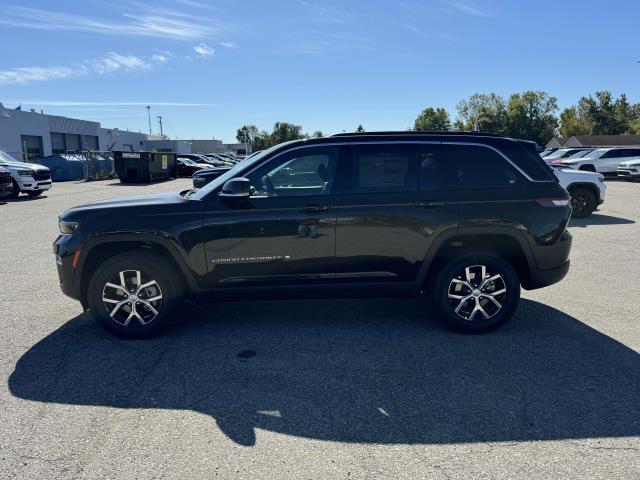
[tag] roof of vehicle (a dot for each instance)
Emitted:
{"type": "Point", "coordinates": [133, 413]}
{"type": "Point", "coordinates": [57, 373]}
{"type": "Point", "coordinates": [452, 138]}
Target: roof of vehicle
{"type": "Point", "coordinates": [521, 152]}
{"type": "Point", "coordinates": [414, 133]}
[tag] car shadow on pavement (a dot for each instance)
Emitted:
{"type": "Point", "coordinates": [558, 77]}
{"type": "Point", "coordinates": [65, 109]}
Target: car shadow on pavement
{"type": "Point", "coordinates": [599, 219]}
{"type": "Point", "coordinates": [351, 371]}
{"type": "Point", "coordinates": [23, 198]}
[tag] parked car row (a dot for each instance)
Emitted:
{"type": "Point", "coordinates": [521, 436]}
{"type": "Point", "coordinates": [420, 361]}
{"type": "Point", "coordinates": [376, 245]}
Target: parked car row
{"type": "Point", "coordinates": [29, 178]}
{"type": "Point", "coordinates": [621, 161]}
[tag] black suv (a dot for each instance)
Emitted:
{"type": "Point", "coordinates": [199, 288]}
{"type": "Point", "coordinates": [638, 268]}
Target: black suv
{"type": "Point", "coordinates": [467, 218]}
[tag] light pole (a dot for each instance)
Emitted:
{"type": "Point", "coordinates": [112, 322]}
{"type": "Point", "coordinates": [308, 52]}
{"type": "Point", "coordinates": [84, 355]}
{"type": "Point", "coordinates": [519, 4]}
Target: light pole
{"type": "Point", "coordinates": [159, 117]}
{"type": "Point", "coordinates": [149, 117]}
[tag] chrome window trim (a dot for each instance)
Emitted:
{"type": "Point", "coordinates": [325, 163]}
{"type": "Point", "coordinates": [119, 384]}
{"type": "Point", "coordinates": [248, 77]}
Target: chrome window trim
{"type": "Point", "coordinates": [392, 142]}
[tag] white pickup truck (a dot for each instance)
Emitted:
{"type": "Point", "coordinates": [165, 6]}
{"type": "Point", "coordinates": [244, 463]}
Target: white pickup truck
{"type": "Point", "coordinates": [29, 178]}
{"type": "Point", "coordinates": [587, 189]}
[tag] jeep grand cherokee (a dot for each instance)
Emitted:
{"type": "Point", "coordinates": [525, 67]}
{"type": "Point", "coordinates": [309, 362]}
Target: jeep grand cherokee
{"type": "Point", "coordinates": [464, 218]}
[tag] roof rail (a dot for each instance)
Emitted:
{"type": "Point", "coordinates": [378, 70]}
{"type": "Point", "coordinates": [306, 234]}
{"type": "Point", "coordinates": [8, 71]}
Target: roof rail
{"type": "Point", "coordinates": [411, 132]}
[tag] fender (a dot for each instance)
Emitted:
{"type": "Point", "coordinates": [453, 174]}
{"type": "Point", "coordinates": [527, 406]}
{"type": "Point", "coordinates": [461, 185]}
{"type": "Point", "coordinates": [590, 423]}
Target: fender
{"type": "Point", "coordinates": [184, 261]}
{"type": "Point", "coordinates": [451, 235]}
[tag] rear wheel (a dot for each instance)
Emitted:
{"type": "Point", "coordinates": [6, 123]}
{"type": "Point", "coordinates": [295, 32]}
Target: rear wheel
{"type": "Point", "coordinates": [583, 202]}
{"type": "Point", "coordinates": [476, 293]}
{"type": "Point", "coordinates": [134, 295]}
{"type": "Point", "coordinates": [588, 168]}
{"type": "Point", "coordinates": [34, 193]}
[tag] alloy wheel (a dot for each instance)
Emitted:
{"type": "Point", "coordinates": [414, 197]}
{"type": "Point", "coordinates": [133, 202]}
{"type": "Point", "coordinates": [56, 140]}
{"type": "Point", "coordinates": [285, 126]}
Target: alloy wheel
{"type": "Point", "coordinates": [579, 203]}
{"type": "Point", "coordinates": [130, 297]}
{"type": "Point", "coordinates": [477, 293]}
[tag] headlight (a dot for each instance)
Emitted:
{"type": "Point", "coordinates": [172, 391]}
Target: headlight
{"type": "Point", "coordinates": [601, 178]}
{"type": "Point", "coordinates": [67, 228]}
{"type": "Point", "coordinates": [25, 173]}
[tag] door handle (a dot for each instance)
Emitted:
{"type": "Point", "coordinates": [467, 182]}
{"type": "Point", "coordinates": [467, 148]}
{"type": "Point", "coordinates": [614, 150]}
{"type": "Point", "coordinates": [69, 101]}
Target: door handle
{"type": "Point", "coordinates": [313, 208]}
{"type": "Point", "coordinates": [430, 204]}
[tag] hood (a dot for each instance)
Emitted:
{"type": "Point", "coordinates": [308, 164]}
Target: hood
{"type": "Point", "coordinates": [132, 201]}
{"type": "Point", "coordinates": [569, 172]}
{"type": "Point", "coordinates": [211, 171]}
{"type": "Point", "coordinates": [35, 167]}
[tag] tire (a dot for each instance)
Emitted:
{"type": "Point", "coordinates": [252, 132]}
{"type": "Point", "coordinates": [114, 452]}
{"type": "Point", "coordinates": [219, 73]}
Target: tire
{"type": "Point", "coordinates": [16, 190]}
{"type": "Point", "coordinates": [588, 168]}
{"type": "Point", "coordinates": [457, 304]}
{"type": "Point", "coordinates": [104, 293]}
{"type": "Point", "coordinates": [583, 202]}
{"type": "Point", "coordinates": [34, 193]}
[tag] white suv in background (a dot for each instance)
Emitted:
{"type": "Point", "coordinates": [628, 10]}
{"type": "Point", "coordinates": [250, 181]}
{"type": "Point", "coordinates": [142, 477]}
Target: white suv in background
{"type": "Point", "coordinates": [602, 160]}
{"type": "Point", "coordinates": [29, 178]}
{"type": "Point", "coordinates": [587, 189]}
{"type": "Point", "coordinates": [629, 170]}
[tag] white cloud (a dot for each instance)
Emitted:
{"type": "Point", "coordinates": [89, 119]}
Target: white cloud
{"type": "Point", "coordinates": [229, 44]}
{"type": "Point", "coordinates": [204, 50]}
{"type": "Point", "coordinates": [468, 9]}
{"type": "Point", "coordinates": [114, 62]}
{"type": "Point", "coordinates": [158, 57]}
{"type": "Point", "coordinates": [152, 23]}
{"type": "Point", "coordinates": [47, 103]}
{"type": "Point", "coordinates": [36, 74]}
{"type": "Point", "coordinates": [110, 63]}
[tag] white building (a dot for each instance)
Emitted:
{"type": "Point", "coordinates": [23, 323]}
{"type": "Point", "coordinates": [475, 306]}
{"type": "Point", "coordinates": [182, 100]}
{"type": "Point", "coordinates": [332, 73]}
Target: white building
{"type": "Point", "coordinates": [32, 135]}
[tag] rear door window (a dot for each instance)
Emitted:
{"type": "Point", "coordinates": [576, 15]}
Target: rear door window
{"type": "Point", "coordinates": [380, 168]}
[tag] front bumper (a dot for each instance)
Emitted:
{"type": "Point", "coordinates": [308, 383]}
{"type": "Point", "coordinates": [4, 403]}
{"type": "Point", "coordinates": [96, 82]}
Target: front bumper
{"type": "Point", "coordinates": [64, 249]}
{"type": "Point", "coordinates": [628, 172]}
{"type": "Point", "coordinates": [28, 184]}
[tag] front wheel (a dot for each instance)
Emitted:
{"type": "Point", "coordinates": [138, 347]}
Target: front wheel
{"type": "Point", "coordinates": [16, 189]}
{"type": "Point", "coordinates": [583, 202]}
{"type": "Point", "coordinates": [34, 193]}
{"type": "Point", "coordinates": [476, 293]}
{"type": "Point", "coordinates": [134, 295]}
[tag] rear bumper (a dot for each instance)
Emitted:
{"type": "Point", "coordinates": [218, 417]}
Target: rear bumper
{"type": "Point", "coordinates": [544, 278]}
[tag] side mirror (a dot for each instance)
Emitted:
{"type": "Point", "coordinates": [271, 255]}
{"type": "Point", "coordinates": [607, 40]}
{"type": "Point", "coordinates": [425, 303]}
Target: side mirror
{"type": "Point", "coordinates": [236, 188]}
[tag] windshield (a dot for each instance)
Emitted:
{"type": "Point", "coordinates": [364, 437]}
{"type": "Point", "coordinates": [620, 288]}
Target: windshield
{"type": "Point", "coordinates": [558, 154]}
{"type": "Point", "coordinates": [5, 157]}
{"type": "Point", "coordinates": [581, 154]}
{"type": "Point", "coordinates": [186, 161]}
{"type": "Point", "coordinates": [233, 172]}
{"type": "Point", "coordinates": [595, 153]}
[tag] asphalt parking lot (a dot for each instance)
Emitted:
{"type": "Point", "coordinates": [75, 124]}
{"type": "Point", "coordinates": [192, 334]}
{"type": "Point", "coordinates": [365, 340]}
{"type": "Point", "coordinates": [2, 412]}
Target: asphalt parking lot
{"type": "Point", "coordinates": [322, 389]}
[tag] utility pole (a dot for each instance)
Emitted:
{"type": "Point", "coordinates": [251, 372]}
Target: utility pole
{"type": "Point", "coordinates": [149, 116]}
{"type": "Point", "coordinates": [159, 117]}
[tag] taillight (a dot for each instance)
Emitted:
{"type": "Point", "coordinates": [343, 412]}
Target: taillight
{"type": "Point", "coordinates": [553, 202]}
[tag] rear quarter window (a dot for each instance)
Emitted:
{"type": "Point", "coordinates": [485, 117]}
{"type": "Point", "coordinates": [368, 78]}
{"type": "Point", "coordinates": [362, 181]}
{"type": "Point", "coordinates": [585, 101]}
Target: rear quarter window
{"type": "Point", "coordinates": [478, 167]}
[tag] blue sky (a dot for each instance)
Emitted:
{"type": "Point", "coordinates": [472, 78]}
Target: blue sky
{"type": "Point", "coordinates": [209, 67]}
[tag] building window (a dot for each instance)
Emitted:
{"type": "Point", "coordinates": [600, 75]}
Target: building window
{"type": "Point", "coordinates": [90, 142]}
{"type": "Point", "coordinates": [58, 144]}
{"type": "Point", "coordinates": [31, 146]}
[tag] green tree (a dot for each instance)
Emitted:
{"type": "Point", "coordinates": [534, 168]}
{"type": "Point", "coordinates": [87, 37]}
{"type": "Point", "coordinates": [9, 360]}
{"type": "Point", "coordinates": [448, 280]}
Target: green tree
{"type": "Point", "coordinates": [247, 134]}
{"type": "Point", "coordinates": [433, 120]}
{"type": "Point", "coordinates": [317, 134]}
{"type": "Point", "coordinates": [360, 129]}
{"type": "Point", "coordinates": [284, 132]}
{"type": "Point", "coordinates": [573, 121]}
{"type": "Point", "coordinates": [531, 116]}
{"type": "Point", "coordinates": [482, 112]}
{"type": "Point", "coordinates": [601, 114]}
